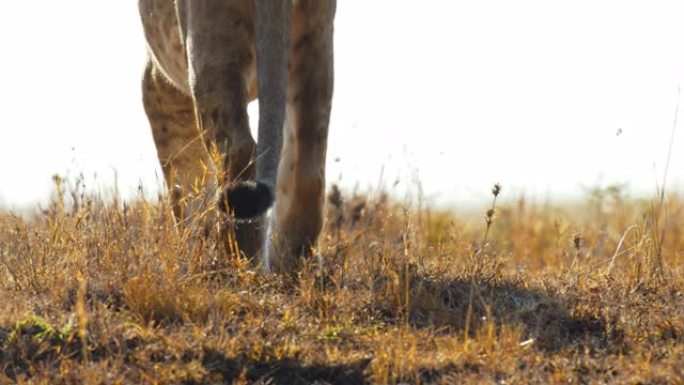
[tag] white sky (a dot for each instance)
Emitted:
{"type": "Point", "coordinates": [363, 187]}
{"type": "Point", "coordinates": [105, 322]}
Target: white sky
{"type": "Point", "coordinates": [456, 94]}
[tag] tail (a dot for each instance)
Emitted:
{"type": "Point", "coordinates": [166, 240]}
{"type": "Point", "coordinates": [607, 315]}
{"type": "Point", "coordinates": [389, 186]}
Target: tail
{"type": "Point", "coordinates": [273, 19]}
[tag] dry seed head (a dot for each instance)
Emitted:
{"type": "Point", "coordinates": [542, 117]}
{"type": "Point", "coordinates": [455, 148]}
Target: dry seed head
{"type": "Point", "coordinates": [489, 216]}
{"type": "Point", "coordinates": [496, 189]}
{"type": "Point", "coordinates": [335, 196]}
{"type": "Point", "coordinates": [577, 240]}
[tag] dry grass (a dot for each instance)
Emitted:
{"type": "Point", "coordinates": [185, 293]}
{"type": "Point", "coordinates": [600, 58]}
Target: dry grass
{"type": "Point", "coordinates": [96, 293]}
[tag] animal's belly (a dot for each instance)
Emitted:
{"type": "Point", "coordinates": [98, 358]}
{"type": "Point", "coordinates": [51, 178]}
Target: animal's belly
{"type": "Point", "coordinates": [164, 42]}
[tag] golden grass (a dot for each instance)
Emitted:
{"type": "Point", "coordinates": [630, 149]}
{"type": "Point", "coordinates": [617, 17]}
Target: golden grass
{"type": "Point", "coordinates": [101, 293]}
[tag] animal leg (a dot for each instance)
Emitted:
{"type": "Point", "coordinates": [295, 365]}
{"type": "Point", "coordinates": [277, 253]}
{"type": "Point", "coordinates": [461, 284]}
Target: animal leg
{"type": "Point", "coordinates": [217, 36]}
{"type": "Point", "coordinates": [298, 213]}
{"type": "Point", "coordinates": [180, 147]}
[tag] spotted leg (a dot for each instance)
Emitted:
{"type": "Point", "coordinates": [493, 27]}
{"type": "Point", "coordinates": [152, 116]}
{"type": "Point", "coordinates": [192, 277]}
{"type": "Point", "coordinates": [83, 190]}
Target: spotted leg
{"type": "Point", "coordinates": [298, 213]}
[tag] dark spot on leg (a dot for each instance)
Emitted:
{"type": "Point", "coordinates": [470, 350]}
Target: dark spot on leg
{"type": "Point", "coordinates": [303, 42]}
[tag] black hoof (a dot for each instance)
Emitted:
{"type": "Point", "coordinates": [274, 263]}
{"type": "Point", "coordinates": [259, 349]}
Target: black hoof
{"type": "Point", "coordinates": [246, 200]}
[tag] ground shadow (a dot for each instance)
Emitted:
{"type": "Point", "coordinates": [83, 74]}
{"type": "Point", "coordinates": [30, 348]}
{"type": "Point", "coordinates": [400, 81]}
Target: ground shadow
{"type": "Point", "coordinates": [285, 371]}
{"type": "Point", "coordinates": [293, 372]}
{"type": "Point", "coordinates": [547, 319]}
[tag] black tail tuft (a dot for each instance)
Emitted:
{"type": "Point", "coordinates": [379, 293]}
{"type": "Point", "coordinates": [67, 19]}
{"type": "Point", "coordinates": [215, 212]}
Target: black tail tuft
{"type": "Point", "coordinates": [246, 199]}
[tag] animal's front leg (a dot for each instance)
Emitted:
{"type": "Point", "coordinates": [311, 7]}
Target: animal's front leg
{"type": "Point", "coordinates": [217, 36]}
{"type": "Point", "coordinates": [298, 214]}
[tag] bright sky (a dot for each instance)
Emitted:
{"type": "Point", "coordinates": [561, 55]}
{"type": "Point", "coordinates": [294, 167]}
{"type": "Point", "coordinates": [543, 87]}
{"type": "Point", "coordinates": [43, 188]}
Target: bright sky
{"type": "Point", "coordinates": [543, 96]}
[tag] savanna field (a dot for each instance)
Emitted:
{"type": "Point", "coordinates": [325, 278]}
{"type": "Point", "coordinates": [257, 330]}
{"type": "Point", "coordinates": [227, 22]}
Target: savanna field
{"type": "Point", "coordinates": [95, 291]}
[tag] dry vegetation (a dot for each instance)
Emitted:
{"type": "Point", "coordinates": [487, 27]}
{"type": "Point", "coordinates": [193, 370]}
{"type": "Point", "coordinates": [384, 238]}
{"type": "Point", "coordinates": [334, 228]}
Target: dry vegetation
{"type": "Point", "coordinates": [94, 292]}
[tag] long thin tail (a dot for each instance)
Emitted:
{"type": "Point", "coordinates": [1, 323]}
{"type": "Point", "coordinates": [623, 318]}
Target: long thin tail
{"type": "Point", "coordinates": [272, 40]}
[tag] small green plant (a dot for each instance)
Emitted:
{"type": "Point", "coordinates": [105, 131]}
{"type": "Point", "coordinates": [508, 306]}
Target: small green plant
{"type": "Point", "coordinates": [40, 330]}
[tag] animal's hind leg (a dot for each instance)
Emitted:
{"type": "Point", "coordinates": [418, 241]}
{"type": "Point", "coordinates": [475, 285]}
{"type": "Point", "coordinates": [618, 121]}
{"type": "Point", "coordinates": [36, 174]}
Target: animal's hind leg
{"type": "Point", "coordinates": [180, 147]}
{"type": "Point", "coordinates": [298, 214]}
